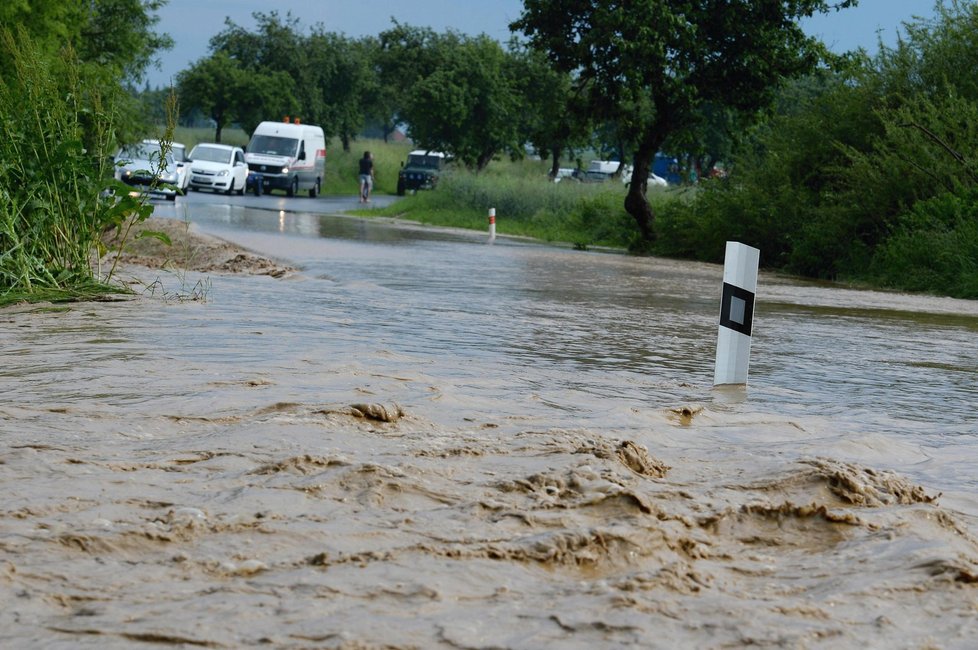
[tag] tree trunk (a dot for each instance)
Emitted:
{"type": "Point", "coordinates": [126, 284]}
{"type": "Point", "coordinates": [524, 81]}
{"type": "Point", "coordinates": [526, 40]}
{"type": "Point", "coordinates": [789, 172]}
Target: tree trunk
{"type": "Point", "coordinates": [217, 132]}
{"type": "Point", "coordinates": [555, 166]}
{"type": "Point", "coordinates": [636, 203]}
{"type": "Point", "coordinates": [345, 139]}
{"type": "Point", "coordinates": [483, 160]}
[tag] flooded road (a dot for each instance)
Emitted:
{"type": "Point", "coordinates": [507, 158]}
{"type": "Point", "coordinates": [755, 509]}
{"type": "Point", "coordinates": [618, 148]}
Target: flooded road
{"type": "Point", "coordinates": [556, 470]}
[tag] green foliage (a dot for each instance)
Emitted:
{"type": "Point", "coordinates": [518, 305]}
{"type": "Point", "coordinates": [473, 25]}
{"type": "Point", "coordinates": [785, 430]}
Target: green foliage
{"type": "Point", "coordinates": [225, 91]}
{"type": "Point", "coordinates": [868, 175]}
{"type": "Point", "coordinates": [57, 135]}
{"type": "Point", "coordinates": [344, 82]}
{"type": "Point", "coordinates": [115, 35]}
{"type": "Point", "coordinates": [933, 245]}
{"type": "Point", "coordinates": [648, 70]}
{"type": "Point", "coordinates": [467, 105]}
{"type": "Point", "coordinates": [192, 136]}
{"type": "Point", "coordinates": [550, 117]}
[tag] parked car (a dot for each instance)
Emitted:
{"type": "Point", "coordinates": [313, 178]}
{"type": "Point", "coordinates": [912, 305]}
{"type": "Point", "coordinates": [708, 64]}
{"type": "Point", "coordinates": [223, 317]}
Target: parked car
{"type": "Point", "coordinates": [142, 166]}
{"type": "Point", "coordinates": [179, 151]}
{"type": "Point", "coordinates": [421, 171]}
{"type": "Point", "coordinates": [654, 180]}
{"type": "Point", "coordinates": [218, 167]}
{"type": "Point", "coordinates": [562, 173]}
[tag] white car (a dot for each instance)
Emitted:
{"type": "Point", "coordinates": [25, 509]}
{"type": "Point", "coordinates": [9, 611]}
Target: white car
{"type": "Point", "coordinates": [653, 180]}
{"type": "Point", "coordinates": [218, 167]}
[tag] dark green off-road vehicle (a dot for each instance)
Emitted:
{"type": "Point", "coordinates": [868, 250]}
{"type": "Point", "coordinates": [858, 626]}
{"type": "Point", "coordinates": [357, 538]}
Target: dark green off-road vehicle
{"type": "Point", "coordinates": [421, 171]}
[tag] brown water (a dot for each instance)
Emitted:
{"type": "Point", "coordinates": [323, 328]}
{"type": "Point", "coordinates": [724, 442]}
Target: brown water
{"type": "Point", "coordinates": [186, 474]}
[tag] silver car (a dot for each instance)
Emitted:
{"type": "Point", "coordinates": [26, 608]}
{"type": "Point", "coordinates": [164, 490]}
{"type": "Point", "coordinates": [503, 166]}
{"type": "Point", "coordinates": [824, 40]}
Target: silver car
{"type": "Point", "coordinates": [143, 167]}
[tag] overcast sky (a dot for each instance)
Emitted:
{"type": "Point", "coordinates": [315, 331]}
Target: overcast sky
{"type": "Point", "coordinates": [191, 23]}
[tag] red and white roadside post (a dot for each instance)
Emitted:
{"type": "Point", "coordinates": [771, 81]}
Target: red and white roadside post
{"type": "Point", "coordinates": [492, 225]}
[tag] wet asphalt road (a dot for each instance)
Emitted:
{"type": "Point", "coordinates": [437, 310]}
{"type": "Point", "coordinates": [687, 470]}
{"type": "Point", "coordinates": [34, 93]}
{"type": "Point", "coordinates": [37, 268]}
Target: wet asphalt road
{"type": "Point", "coordinates": [302, 203]}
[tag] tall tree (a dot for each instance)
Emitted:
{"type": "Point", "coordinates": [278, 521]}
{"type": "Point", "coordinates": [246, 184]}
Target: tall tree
{"type": "Point", "coordinates": [549, 118]}
{"type": "Point", "coordinates": [467, 106]}
{"type": "Point", "coordinates": [275, 57]}
{"type": "Point", "coordinates": [648, 65]}
{"type": "Point", "coordinates": [212, 85]}
{"type": "Point", "coordinates": [403, 55]}
{"type": "Point", "coordinates": [343, 77]}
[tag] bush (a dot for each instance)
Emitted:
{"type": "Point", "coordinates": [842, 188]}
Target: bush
{"type": "Point", "coordinates": [933, 248]}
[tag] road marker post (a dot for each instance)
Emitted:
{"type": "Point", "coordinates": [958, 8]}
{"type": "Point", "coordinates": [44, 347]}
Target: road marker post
{"type": "Point", "coordinates": [736, 314]}
{"type": "Point", "coordinates": [492, 225]}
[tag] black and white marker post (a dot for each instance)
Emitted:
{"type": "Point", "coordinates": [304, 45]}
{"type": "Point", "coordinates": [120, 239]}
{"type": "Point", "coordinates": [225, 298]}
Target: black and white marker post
{"type": "Point", "coordinates": [736, 313]}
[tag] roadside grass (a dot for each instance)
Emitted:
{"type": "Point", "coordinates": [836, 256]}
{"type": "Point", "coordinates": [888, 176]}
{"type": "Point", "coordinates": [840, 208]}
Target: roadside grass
{"type": "Point", "coordinates": [343, 169]}
{"type": "Point", "coordinates": [527, 204]}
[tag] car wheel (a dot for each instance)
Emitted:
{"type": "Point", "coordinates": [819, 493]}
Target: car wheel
{"type": "Point", "coordinates": [241, 189]}
{"type": "Point", "coordinates": [314, 190]}
{"type": "Point", "coordinates": [230, 190]}
{"type": "Point", "coordinates": [294, 187]}
{"type": "Point", "coordinates": [400, 187]}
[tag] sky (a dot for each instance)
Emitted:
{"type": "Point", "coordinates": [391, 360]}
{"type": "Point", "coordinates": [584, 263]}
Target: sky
{"type": "Point", "coordinates": [191, 23]}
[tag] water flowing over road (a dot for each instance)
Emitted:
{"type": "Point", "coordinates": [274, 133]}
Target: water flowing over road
{"type": "Point", "coordinates": [550, 467]}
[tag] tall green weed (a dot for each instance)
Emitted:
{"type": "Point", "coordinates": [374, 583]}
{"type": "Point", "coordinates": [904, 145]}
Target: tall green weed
{"type": "Point", "coordinates": [58, 122]}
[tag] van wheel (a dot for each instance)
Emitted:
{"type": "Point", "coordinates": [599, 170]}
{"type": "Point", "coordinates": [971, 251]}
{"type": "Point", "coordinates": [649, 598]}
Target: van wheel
{"type": "Point", "coordinates": [314, 190]}
{"type": "Point", "coordinates": [230, 190]}
{"type": "Point", "coordinates": [294, 187]}
{"type": "Point", "coordinates": [400, 187]}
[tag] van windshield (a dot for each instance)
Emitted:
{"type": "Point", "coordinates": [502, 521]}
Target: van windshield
{"type": "Point", "coordinates": [273, 145]}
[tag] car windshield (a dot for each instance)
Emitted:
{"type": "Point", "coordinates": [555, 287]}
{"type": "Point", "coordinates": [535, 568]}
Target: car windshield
{"type": "Point", "coordinates": [431, 162]}
{"type": "Point", "coordinates": [211, 154]}
{"type": "Point", "coordinates": [148, 152]}
{"type": "Point", "coordinates": [273, 145]}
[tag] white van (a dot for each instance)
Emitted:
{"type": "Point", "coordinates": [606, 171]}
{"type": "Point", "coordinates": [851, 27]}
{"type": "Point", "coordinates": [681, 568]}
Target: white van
{"type": "Point", "coordinates": [287, 156]}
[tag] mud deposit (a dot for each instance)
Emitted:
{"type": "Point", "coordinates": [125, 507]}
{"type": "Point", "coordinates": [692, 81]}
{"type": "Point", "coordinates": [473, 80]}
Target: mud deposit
{"type": "Point", "coordinates": [264, 469]}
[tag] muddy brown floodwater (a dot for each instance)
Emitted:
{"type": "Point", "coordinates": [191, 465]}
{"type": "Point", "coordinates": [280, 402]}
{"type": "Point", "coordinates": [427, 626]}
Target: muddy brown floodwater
{"type": "Point", "coordinates": [371, 435]}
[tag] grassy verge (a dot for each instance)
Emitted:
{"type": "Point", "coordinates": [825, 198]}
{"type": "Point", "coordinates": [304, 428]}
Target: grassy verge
{"type": "Point", "coordinates": [527, 204]}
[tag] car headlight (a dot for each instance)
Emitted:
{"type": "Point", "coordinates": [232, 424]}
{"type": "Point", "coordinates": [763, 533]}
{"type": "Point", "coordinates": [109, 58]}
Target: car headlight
{"type": "Point", "coordinates": [285, 170]}
{"type": "Point", "coordinates": [223, 172]}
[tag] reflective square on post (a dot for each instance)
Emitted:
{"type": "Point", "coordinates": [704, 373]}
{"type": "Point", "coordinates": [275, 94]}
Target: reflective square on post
{"type": "Point", "coordinates": [737, 309]}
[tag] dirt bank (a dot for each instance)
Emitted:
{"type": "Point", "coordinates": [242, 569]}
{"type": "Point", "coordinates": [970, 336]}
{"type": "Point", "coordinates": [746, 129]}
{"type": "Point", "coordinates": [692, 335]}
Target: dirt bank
{"type": "Point", "coordinates": [188, 250]}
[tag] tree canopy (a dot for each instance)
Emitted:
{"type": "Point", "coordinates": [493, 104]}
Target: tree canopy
{"type": "Point", "coordinates": [649, 65]}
